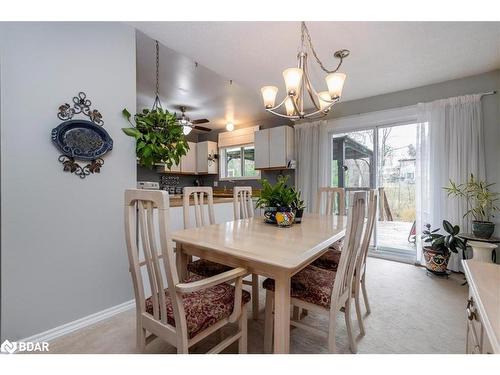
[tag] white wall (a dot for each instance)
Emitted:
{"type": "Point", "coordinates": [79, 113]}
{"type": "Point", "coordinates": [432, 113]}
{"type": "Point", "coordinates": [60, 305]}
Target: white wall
{"type": "Point", "coordinates": [63, 252]}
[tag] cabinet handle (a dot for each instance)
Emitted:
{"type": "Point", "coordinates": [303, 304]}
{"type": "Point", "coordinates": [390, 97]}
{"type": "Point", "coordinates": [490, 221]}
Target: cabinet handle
{"type": "Point", "coordinates": [471, 314]}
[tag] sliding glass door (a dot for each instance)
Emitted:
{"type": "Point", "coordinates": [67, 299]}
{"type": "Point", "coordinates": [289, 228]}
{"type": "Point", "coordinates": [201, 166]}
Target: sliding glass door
{"type": "Point", "coordinates": [381, 158]}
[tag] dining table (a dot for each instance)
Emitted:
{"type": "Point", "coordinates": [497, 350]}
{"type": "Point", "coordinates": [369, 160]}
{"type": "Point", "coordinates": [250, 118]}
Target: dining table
{"type": "Point", "coordinates": [263, 249]}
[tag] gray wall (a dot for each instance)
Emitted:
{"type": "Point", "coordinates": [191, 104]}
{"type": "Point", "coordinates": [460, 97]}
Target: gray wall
{"type": "Point", "coordinates": [63, 253]}
{"type": "Point", "coordinates": [469, 85]}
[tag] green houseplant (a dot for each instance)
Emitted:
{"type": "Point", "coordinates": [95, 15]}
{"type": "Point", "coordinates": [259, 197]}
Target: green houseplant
{"type": "Point", "coordinates": [298, 206]}
{"type": "Point", "coordinates": [438, 248]}
{"type": "Point", "coordinates": [159, 138]}
{"type": "Point", "coordinates": [277, 199]}
{"type": "Point", "coordinates": [481, 203]}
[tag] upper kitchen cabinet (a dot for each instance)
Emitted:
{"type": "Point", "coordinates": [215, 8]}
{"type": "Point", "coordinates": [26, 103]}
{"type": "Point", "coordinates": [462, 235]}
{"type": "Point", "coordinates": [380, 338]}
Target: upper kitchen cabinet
{"type": "Point", "coordinates": [274, 147]}
{"type": "Point", "coordinates": [205, 157]}
{"type": "Point", "coordinates": [188, 161]}
{"type": "Point", "coordinates": [187, 164]}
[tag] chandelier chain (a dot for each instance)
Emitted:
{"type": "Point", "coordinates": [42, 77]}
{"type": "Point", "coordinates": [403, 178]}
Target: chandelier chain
{"type": "Point", "coordinates": [305, 33]}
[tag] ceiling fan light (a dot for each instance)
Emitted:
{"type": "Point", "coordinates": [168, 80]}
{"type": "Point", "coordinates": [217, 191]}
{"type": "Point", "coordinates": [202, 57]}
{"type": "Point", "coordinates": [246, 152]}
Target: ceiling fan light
{"type": "Point", "coordinates": [293, 80]}
{"type": "Point", "coordinates": [229, 126]}
{"type": "Point", "coordinates": [186, 129]}
{"type": "Point", "coordinates": [335, 83]}
{"type": "Point", "coordinates": [269, 95]}
{"type": "Point", "coordinates": [290, 108]}
{"type": "Point", "coordinates": [324, 100]}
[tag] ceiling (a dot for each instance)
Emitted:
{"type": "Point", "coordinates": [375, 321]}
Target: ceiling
{"type": "Point", "coordinates": [204, 93]}
{"type": "Point", "coordinates": [385, 57]}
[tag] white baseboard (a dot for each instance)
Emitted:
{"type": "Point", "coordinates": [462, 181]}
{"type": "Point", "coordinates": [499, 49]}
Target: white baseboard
{"type": "Point", "coordinates": [75, 325]}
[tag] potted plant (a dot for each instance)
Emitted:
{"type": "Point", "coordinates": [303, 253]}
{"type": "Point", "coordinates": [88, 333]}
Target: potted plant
{"type": "Point", "coordinates": [159, 137]}
{"type": "Point", "coordinates": [277, 202]}
{"type": "Point", "coordinates": [437, 253]}
{"type": "Point", "coordinates": [298, 206]}
{"type": "Point", "coordinates": [481, 203]}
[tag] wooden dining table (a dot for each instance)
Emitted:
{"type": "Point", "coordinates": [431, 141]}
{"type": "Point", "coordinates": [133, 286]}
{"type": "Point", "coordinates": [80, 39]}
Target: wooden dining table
{"type": "Point", "coordinates": [263, 249]}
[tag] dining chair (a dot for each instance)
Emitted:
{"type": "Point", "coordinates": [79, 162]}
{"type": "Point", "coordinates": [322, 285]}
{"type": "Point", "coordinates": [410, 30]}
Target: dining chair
{"type": "Point", "coordinates": [332, 197]}
{"type": "Point", "coordinates": [243, 209]}
{"type": "Point", "coordinates": [330, 260]}
{"type": "Point", "coordinates": [203, 215]}
{"type": "Point", "coordinates": [181, 312]}
{"type": "Point", "coordinates": [324, 291]}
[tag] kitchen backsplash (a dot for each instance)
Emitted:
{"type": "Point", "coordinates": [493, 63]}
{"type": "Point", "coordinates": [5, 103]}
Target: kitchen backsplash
{"type": "Point", "coordinates": [145, 174]}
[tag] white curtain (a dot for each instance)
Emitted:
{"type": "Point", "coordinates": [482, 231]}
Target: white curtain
{"type": "Point", "coordinates": [450, 145]}
{"type": "Point", "coordinates": [312, 151]}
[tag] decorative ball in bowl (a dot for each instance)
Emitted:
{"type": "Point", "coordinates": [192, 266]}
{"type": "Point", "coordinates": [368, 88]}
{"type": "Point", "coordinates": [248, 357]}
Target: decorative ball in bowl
{"type": "Point", "coordinates": [284, 219]}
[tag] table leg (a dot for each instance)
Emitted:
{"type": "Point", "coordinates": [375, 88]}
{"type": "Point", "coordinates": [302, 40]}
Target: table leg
{"type": "Point", "coordinates": [282, 314]}
{"type": "Point", "coordinates": [181, 260]}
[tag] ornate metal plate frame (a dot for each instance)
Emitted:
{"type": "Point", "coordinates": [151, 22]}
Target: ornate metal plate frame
{"type": "Point", "coordinates": [79, 139]}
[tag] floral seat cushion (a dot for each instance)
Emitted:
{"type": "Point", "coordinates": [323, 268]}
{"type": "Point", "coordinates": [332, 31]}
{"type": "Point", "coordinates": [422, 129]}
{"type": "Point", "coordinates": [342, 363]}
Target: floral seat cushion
{"type": "Point", "coordinates": [203, 308]}
{"type": "Point", "coordinates": [312, 284]}
{"type": "Point", "coordinates": [330, 260]}
{"type": "Point", "coordinates": [206, 268]}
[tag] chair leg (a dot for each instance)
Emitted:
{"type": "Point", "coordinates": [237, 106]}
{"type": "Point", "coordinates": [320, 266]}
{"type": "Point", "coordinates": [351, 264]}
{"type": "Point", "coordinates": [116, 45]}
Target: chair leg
{"type": "Point", "coordinates": [365, 296]}
{"type": "Point", "coordinates": [242, 326]}
{"type": "Point", "coordinates": [348, 322]}
{"type": "Point", "coordinates": [332, 348]}
{"type": "Point", "coordinates": [269, 322]}
{"type": "Point", "coordinates": [255, 297]}
{"type": "Point", "coordinates": [141, 339]}
{"type": "Point", "coordinates": [358, 309]}
{"type": "Point", "coordinates": [296, 313]}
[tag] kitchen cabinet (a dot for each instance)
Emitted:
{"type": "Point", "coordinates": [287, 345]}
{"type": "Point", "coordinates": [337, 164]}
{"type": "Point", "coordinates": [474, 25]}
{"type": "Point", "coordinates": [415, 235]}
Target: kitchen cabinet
{"type": "Point", "coordinates": [204, 151]}
{"type": "Point", "coordinates": [274, 147]}
{"type": "Point", "coordinates": [187, 163]}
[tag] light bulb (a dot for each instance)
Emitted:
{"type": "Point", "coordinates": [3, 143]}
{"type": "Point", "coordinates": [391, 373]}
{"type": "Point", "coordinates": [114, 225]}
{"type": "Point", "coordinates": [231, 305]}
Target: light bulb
{"type": "Point", "coordinates": [324, 100]}
{"type": "Point", "coordinates": [269, 95]}
{"type": "Point", "coordinates": [335, 83]}
{"type": "Point", "coordinates": [186, 129]}
{"type": "Point", "coordinates": [290, 109]}
{"type": "Point", "coordinates": [229, 126]}
{"type": "Point", "coordinates": [293, 79]}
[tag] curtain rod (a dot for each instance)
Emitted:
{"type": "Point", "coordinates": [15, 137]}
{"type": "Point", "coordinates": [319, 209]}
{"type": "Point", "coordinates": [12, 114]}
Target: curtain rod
{"type": "Point", "coordinates": [488, 93]}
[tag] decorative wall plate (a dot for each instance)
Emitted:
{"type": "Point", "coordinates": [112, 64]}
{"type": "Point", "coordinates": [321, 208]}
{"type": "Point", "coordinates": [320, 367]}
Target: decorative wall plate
{"type": "Point", "coordinates": [81, 139]}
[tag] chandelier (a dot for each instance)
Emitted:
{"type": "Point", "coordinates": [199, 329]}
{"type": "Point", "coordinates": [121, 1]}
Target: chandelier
{"type": "Point", "coordinates": [299, 87]}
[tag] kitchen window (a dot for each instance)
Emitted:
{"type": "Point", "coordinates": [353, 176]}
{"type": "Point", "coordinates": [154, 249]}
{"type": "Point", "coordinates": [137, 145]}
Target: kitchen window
{"type": "Point", "coordinates": [238, 162]}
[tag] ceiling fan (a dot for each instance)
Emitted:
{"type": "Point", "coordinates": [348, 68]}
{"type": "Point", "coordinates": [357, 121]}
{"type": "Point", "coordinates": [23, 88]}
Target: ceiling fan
{"type": "Point", "coordinates": [189, 125]}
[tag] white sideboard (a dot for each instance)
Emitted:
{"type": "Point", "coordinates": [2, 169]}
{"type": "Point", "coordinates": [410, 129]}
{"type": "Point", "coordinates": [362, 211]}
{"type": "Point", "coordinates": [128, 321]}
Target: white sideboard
{"type": "Point", "coordinates": [483, 307]}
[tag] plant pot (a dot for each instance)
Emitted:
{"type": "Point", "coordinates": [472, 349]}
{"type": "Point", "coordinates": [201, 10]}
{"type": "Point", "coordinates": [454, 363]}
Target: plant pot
{"type": "Point", "coordinates": [436, 262]}
{"type": "Point", "coordinates": [483, 229]}
{"type": "Point", "coordinates": [284, 217]}
{"type": "Point", "coordinates": [298, 216]}
{"type": "Point", "coordinates": [270, 215]}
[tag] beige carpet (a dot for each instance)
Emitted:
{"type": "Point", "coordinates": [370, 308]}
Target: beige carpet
{"type": "Point", "coordinates": [411, 313]}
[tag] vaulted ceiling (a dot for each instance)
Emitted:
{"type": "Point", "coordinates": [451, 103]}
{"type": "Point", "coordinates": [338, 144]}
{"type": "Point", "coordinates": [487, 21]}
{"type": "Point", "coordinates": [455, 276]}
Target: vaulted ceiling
{"type": "Point", "coordinates": [385, 57]}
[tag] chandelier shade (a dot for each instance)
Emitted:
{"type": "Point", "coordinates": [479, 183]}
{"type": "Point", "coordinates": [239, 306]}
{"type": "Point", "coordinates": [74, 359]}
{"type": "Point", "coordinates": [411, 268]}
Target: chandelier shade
{"type": "Point", "coordinates": [301, 99]}
{"type": "Point", "coordinates": [293, 79]}
{"type": "Point", "coordinates": [269, 95]}
{"type": "Point", "coordinates": [335, 83]}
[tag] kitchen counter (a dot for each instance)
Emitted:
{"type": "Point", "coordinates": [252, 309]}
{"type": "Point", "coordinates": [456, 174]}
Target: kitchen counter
{"type": "Point", "coordinates": [176, 200]}
{"type": "Point", "coordinates": [484, 282]}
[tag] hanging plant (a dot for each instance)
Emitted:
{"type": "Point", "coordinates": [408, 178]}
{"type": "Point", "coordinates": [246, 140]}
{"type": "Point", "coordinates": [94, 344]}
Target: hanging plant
{"type": "Point", "coordinates": [158, 135]}
{"type": "Point", "coordinates": [159, 138]}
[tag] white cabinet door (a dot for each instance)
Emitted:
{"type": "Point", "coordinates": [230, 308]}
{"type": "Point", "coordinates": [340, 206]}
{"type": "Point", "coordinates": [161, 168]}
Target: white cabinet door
{"type": "Point", "coordinates": [188, 161]}
{"type": "Point", "coordinates": [277, 147]}
{"type": "Point", "coordinates": [203, 165]}
{"type": "Point", "coordinates": [262, 149]}
{"type": "Point", "coordinates": [213, 166]}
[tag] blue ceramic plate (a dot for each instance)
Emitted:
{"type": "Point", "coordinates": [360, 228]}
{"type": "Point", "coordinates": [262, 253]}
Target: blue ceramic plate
{"type": "Point", "coordinates": [82, 139]}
